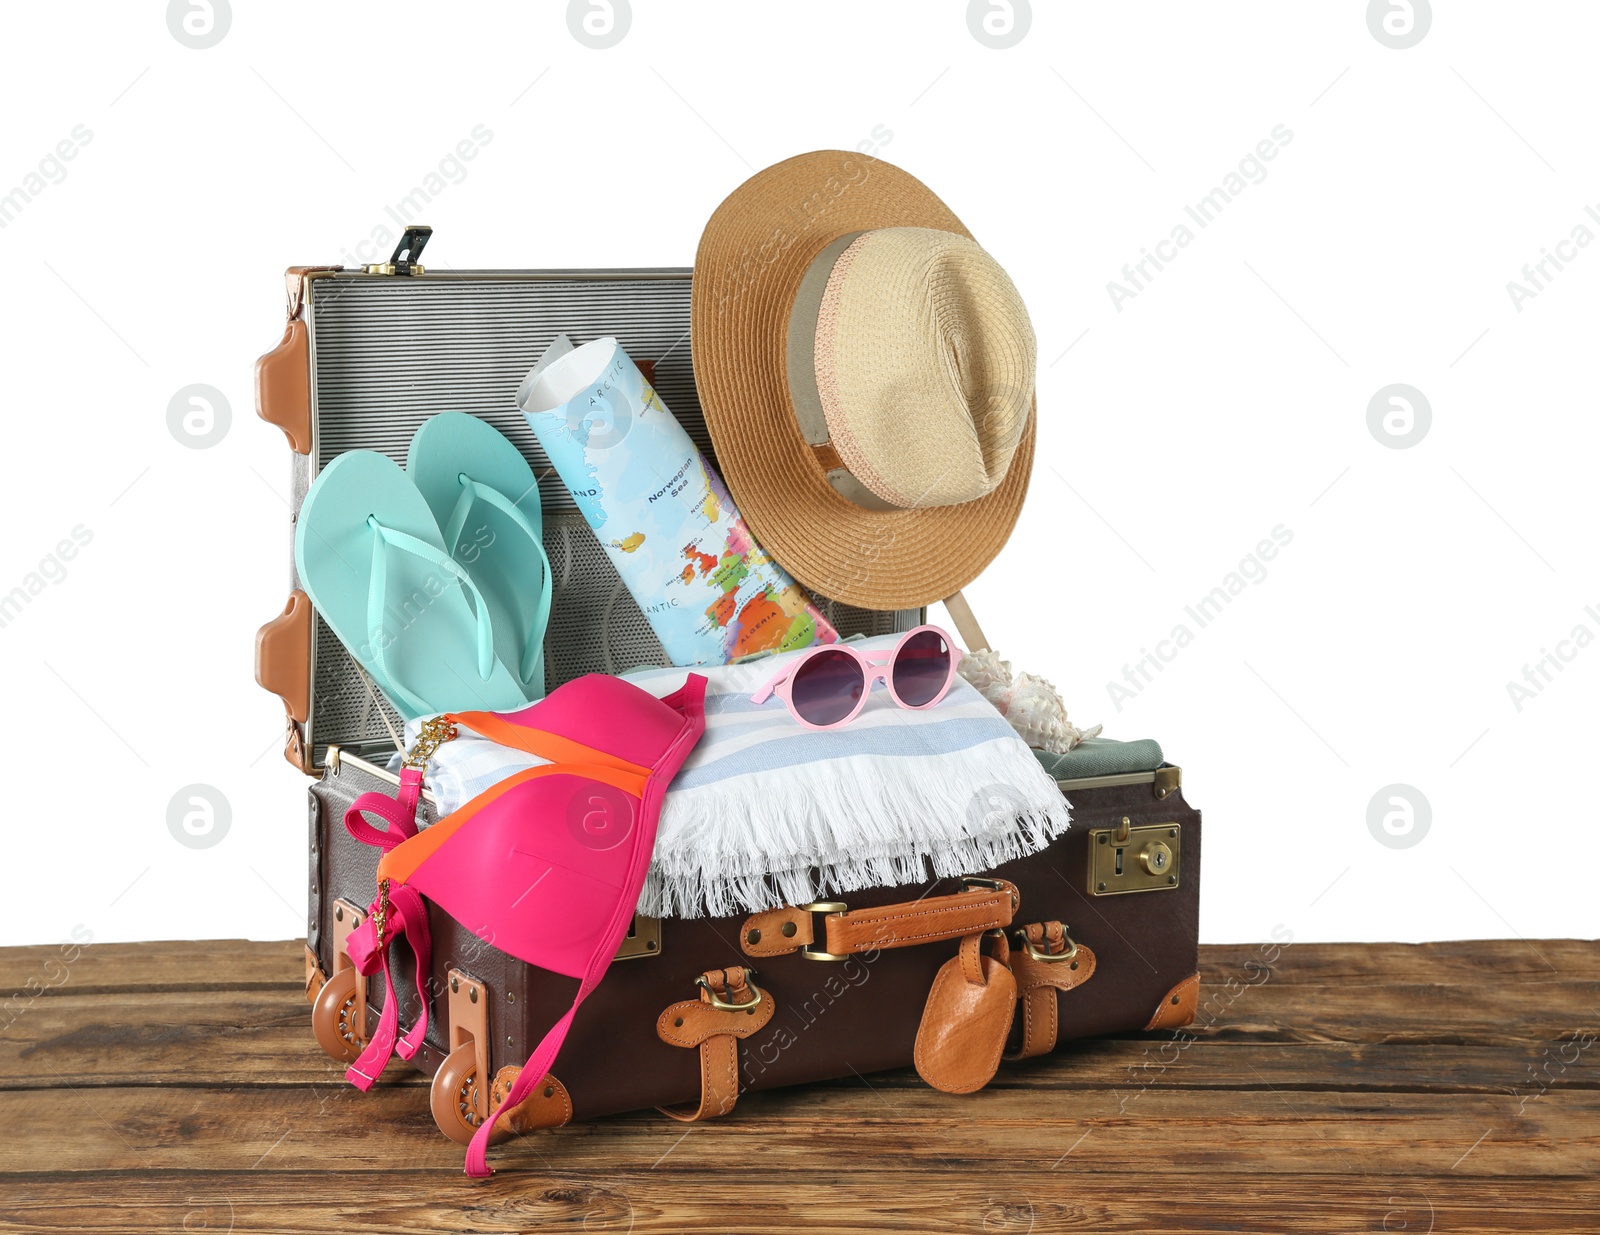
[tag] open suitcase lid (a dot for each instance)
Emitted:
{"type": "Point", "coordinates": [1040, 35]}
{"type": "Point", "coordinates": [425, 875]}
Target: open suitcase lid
{"type": "Point", "coordinates": [369, 354]}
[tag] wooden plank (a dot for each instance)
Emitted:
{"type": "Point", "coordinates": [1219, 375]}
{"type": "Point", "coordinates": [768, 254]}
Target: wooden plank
{"type": "Point", "coordinates": [791, 1132]}
{"type": "Point", "coordinates": [1495, 1037]}
{"type": "Point", "coordinates": [1452, 962]}
{"type": "Point", "coordinates": [112, 968]}
{"type": "Point", "coordinates": [834, 1202]}
{"type": "Point", "coordinates": [171, 1087]}
{"type": "Point", "coordinates": [1488, 1013]}
{"type": "Point", "coordinates": [189, 1040]}
{"type": "Point", "coordinates": [1486, 1040]}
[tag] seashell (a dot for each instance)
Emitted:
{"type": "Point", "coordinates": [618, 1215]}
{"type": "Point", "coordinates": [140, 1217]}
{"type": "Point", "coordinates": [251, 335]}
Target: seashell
{"type": "Point", "coordinates": [988, 673]}
{"type": "Point", "coordinates": [1032, 705]}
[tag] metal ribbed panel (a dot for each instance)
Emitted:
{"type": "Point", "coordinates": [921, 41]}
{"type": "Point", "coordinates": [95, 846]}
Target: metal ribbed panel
{"type": "Point", "coordinates": [387, 353]}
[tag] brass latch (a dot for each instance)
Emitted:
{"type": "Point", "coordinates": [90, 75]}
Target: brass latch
{"type": "Point", "coordinates": [404, 261]}
{"type": "Point", "coordinates": [643, 938]}
{"type": "Point", "coordinates": [1128, 858]}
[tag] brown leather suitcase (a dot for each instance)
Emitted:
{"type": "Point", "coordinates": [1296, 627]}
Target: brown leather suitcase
{"type": "Point", "coordinates": [1098, 931]}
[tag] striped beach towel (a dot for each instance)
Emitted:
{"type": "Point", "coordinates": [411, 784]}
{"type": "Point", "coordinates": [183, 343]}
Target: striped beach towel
{"type": "Point", "coordinates": [766, 812]}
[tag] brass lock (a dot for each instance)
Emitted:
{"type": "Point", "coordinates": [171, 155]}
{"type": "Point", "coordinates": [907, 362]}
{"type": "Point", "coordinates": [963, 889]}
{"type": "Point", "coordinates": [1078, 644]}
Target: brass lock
{"type": "Point", "coordinates": [1156, 858]}
{"type": "Point", "coordinates": [1129, 858]}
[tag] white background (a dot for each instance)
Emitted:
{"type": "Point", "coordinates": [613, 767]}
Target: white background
{"type": "Point", "coordinates": [1227, 398]}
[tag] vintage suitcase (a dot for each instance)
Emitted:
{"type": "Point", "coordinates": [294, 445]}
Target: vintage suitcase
{"type": "Point", "coordinates": [789, 996]}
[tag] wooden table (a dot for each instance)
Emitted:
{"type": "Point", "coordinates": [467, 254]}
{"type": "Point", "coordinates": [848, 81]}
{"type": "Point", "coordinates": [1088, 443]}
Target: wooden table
{"type": "Point", "coordinates": [1446, 1087]}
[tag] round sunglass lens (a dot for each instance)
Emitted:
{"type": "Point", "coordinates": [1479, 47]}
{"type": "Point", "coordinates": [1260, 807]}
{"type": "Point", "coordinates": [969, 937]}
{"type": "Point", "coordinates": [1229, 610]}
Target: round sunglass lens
{"type": "Point", "coordinates": [827, 687]}
{"type": "Point", "coordinates": [921, 668]}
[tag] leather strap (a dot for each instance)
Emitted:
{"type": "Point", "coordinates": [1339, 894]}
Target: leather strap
{"type": "Point", "coordinates": [907, 924]}
{"type": "Point", "coordinates": [1060, 965]}
{"type": "Point", "coordinates": [716, 1031]}
{"type": "Point", "coordinates": [776, 932]}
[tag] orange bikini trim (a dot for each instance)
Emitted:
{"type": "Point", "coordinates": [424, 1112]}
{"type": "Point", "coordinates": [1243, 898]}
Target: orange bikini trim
{"type": "Point", "coordinates": [401, 862]}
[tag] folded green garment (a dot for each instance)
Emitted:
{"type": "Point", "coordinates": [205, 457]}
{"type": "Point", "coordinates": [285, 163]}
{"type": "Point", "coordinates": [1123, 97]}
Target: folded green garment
{"type": "Point", "coordinates": [1102, 757]}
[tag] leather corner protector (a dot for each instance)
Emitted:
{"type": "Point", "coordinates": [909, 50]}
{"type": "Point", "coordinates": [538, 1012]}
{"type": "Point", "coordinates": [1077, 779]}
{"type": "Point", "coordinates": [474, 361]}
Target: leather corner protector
{"type": "Point", "coordinates": [548, 1106]}
{"type": "Point", "coordinates": [295, 284]}
{"type": "Point", "coordinates": [283, 386]}
{"type": "Point", "coordinates": [1178, 1005]}
{"type": "Point", "coordinates": [315, 979]}
{"type": "Point", "coordinates": [295, 749]}
{"type": "Point", "coordinates": [283, 656]}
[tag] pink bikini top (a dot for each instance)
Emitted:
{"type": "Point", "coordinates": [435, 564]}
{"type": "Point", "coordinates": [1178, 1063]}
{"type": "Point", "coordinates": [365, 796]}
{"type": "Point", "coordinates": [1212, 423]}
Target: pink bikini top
{"type": "Point", "coordinates": [546, 865]}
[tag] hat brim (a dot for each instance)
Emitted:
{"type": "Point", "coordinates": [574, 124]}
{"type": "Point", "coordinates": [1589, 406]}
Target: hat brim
{"type": "Point", "coordinates": [753, 254]}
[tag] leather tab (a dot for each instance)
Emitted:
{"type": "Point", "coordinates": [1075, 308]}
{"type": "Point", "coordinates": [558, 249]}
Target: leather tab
{"type": "Point", "coordinates": [548, 1106]}
{"type": "Point", "coordinates": [1178, 1006]}
{"type": "Point", "coordinates": [965, 1022]}
{"type": "Point", "coordinates": [283, 386]}
{"type": "Point", "coordinates": [1038, 980]}
{"type": "Point", "coordinates": [716, 1031]}
{"type": "Point", "coordinates": [777, 932]}
{"type": "Point", "coordinates": [933, 918]}
{"type": "Point", "coordinates": [690, 1022]}
{"type": "Point", "coordinates": [1073, 968]}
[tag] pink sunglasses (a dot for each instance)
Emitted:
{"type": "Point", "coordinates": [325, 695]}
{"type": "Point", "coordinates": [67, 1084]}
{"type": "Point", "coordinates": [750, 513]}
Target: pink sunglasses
{"type": "Point", "coordinates": [828, 686]}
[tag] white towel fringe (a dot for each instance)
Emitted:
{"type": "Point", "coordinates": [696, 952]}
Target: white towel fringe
{"type": "Point", "coordinates": [722, 855]}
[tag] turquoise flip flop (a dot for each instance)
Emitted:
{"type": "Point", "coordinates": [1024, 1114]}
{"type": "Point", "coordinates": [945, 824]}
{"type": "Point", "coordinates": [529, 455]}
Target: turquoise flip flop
{"type": "Point", "coordinates": [371, 558]}
{"type": "Point", "coordinates": [486, 501]}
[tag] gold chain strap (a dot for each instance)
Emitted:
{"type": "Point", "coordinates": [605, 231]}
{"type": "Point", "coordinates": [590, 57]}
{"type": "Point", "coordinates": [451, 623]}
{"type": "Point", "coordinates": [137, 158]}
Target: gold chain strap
{"type": "Point", "coordinates": [435, 733]}
{"type": "Point", "coordinates": [380, 914]}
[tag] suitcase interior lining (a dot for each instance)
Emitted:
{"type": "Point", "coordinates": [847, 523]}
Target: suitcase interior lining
{"type": "Point", "coordinates": [388, 352]}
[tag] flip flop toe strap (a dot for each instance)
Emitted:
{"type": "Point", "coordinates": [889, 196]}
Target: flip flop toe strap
{"type": "Point", "coordinates": [472, 490]}
{"type": "Point", "coordinates": [377, 593]}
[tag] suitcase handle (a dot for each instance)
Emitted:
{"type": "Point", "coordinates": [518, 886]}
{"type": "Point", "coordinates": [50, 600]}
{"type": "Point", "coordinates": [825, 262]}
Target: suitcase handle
{"type": "Point", "coordinates": [981, 905]}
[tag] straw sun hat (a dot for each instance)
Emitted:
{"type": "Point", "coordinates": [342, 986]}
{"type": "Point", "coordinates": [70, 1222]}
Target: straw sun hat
{"type": "Point", "coordinates": [866, 371]}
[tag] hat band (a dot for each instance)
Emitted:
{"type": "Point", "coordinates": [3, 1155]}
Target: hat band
{"type": "Point", "coordinates": [804, 395]}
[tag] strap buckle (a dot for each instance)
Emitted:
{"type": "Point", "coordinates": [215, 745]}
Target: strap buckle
{"type": "Point", "coordinates": [968, 882]}
{"type": "Point", "coordinates": [1035, 953]}
{"type": "Point", "coordinates": [704, 983]}
{"type": "Point", "coordinates": [812, 951]}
